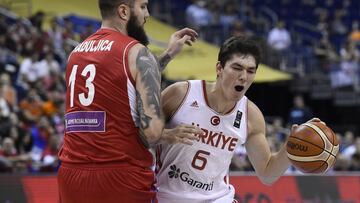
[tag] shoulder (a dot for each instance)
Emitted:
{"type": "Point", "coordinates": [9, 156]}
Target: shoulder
{"type": "Point", "coordinates": [140, 57]}
{"type": "Point", "coordinates": [134, 51]}
{"type": "Point", "coordinates": [177, 89]}
{"type": "Point", "coordinates": [173, 96]}
{"type": "Point", "coordinates": [256, 121]}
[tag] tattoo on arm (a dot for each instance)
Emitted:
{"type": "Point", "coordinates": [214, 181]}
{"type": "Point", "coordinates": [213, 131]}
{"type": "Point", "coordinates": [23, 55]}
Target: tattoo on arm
{"type": "Point", "coordinates": [144, 119]}
{"type": "Point", "coordinates": [163, 61]}
{"type": "Point", "coordinates": [151, 78]}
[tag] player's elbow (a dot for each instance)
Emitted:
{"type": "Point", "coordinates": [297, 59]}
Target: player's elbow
{"type": "Point", "coordinates": [153, 133]}
{"type": "Point", "coordinates": [153, 137]}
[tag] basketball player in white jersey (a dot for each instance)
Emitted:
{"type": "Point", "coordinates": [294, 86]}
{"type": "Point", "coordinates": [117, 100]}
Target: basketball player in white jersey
{"type": "Point", "coordinates": [198, 173]}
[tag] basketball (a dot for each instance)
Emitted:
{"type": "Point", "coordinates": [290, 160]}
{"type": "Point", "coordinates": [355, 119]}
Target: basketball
{"type": "Point", "coordinates": [312, 148]}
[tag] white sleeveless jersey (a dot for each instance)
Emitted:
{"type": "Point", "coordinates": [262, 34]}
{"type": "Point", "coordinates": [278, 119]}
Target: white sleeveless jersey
{"type": "Point", "coordinates": [199, 172]}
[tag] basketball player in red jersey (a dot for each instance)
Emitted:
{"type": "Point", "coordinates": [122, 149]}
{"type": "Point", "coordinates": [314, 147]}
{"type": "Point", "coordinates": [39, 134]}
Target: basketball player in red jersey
{"type": "Point", "coordinates": [199, 173]}
{"type": "Point", "coordinates": [113, 112]}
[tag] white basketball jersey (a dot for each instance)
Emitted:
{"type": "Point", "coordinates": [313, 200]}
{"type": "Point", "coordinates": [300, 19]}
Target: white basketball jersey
{"type": "Point", "coordinates": [199, 172]}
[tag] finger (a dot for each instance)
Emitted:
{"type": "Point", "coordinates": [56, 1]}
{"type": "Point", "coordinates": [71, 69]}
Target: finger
{"type": "Point", "coordinates": [315, 120]}
{"type": "Point", "coordinates": [293, 127]}
{"type": "Point", "coordinates": [185, 38]}
{"type": "Point", "coordinates": [194, 130]}
{"type": "Point", "coordinates": [188, 43]}
{"type": "Point", "coordinates": [186, 141]}
{"type": "Point", "coordinates": [187, 31]}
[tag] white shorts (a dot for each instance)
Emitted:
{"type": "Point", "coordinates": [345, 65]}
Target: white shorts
{"type": "Point", "coordinates": [227, 198]}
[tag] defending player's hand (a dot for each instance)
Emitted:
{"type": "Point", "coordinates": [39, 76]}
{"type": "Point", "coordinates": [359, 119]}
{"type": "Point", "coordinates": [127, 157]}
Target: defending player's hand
{"type": "Point", "coordinates": [179, 38]}
{"type": "Point", "coordinates": [183, 133]}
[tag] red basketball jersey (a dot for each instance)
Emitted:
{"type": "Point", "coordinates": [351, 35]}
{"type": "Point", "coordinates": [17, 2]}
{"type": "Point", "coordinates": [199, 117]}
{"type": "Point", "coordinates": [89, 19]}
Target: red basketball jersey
{"type": "Point", "coordinates": [101, 119]}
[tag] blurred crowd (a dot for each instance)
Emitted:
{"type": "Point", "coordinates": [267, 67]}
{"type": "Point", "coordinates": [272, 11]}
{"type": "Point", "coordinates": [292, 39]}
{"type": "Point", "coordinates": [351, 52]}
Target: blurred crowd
{"type": "Point", "coordinates": [33, 88]}
{"type": "Point", "coordinates": [301, 37]}
{"type": "Point", "coordinates": [32, 91]}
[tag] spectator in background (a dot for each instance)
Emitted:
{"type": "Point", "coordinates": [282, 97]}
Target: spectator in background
{"type": "Point", "coordinates": [349, 64]}
{"type": "Point", "coordinates": [31, 107]}
{"type": "Point", "coordinates": [279, 40]}
{"type": "Point", "coordinates": [350, 149]}
{"type": "Point", "coordinates": [55, 33]}
{"type": "Point", "coordinates": [88, 30]}
{"type": "Point", "coordinates": [238, 29]}
{"type": "Point", "coordinates": [11, 159]}
{"type": "Point", "coordinates": [299, 113]}
{"type": "Point", "coordinates": [5, 111]}
{"type": "Point", "coordinates": [279, 37]}
{"type": "Point", "coordinates": [37, 20]}
{"type": "Point", "coordinates": [355, 158]}
{"type": "Point", "coordinates": [3, 25]}
{"type": "Point", "coordinates": [9, 92]}
{"type": "Point", "coordinates": [29, 71]}
{"type": "Point", "coordinates": [355, 32]}
{"type": "Point", "coordinates": [7, 150]}
{"type": "Point", "coordinates": [228, 17]}
{"type": "Point", "coordinates": [49, 158]}
{"type": "Point", "coordinates": [325, 54]}
{"type": "Point", "coordinates": [348, 140]}
{"type": "Point", "coordinates": [337, 26]}
{"type": "Point", "coordinates": [48, 66]}
{"type": "Point", "coordinates": [197, 15]}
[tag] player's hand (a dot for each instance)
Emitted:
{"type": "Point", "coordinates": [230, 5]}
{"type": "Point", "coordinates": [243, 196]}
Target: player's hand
{"type": "Point", "coordinates": [179, 38]}
{"type": "Point", "coordinates": [183, 133]}
{"type": "Point", "coordinates": [293, 127]}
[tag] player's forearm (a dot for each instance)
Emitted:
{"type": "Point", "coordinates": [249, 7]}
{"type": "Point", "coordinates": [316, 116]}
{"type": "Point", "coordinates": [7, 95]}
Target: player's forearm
{"type": "Point", "coordinates": [164, 59]}
{"type": "Point", "coordinates": [276, 167]}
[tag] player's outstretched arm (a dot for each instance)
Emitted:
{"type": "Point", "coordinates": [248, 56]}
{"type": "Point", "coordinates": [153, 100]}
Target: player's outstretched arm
{"type": "Point", "coordinates": [176, 43]}
{"type": "Point", "coordinates": [268, 167]}
{"type": "Point", "coordinates": [172, 98]}
{"type": "Point", "coordinates": [144, 69]}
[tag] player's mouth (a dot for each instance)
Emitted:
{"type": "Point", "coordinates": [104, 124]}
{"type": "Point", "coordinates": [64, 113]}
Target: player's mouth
{"type": "Point", "coordinates": [239, 88]}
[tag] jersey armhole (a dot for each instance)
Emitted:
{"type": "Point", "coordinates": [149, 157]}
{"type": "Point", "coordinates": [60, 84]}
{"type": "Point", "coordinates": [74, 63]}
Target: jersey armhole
{"type": "Point", "coordinates": [126, 61]}
{"type": "Point", "coordinates": [182, 102]}
{"type": "Point", "coordinates": [246, 120]}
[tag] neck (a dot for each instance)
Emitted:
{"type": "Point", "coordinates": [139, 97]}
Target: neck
{"type": "Point", "coordinates": [111, 24]}
{"type": "Point", "coordinates": [217, 99]}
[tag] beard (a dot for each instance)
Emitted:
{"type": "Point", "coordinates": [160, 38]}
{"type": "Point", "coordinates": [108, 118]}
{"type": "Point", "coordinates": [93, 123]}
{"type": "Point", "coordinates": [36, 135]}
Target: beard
{"type": "Point", "coordinates": [136, 31]}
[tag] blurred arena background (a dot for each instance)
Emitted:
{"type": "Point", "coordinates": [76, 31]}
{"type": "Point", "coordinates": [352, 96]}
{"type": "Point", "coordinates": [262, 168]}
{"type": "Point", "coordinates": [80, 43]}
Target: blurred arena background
{"type": "Point", "coordinates": [310, 67]}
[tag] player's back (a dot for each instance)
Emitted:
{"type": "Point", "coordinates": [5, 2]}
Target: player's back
{"type": "Point", "coordinates": [198, 173]}
{"type": "Point", "coordinates": [100, 105]}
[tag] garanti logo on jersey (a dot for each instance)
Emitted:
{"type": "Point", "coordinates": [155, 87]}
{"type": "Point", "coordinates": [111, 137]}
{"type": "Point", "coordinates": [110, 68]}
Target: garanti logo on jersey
{"type": "Point", "coordinates": [185, 177]}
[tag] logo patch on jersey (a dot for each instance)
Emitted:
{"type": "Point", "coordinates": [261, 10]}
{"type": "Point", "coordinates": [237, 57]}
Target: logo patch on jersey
{"type": "Point", "coordinates": [195, 104]}
{"type": "Point", "coordinates": [174, 172]}
{"type": "Point", "coordinates": [85, 121]}
{"type": "Point", "coordinates": [237, 120]}
{"type": "Point", "coordinates": [215, 120]}
{"type": "Point", "coordinates": [185, 177]}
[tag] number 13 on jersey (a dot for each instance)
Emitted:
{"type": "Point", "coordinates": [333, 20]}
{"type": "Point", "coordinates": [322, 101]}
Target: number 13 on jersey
{"type": "Point", "coordinates": [89, 72]}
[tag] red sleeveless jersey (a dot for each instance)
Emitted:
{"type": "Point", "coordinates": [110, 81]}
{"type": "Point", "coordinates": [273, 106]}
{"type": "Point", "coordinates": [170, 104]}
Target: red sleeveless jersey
{"type": "Point", "coordinates": [101, 119]}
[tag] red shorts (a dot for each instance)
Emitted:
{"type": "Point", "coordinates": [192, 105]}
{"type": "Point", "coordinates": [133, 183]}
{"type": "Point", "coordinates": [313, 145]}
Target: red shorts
{"type": "Point", "coordinates": [105, 185]}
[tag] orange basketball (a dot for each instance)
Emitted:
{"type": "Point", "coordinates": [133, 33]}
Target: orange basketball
{"type": "Point", "coordinates": [312, 147]}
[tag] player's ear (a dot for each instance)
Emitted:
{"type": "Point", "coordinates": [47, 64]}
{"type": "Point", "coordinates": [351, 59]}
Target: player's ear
{"type": "Point", "coordinates": [219, 69]}
{"type": "Point", "coordinates": [123, 12]}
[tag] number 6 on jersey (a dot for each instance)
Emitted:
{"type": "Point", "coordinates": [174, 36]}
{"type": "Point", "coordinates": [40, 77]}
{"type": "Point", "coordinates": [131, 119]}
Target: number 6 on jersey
{"type": "Point", "coordinates": [201, 159]}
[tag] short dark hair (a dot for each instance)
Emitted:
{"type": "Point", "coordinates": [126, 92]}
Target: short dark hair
{"type": "Point", "coordinates": [239, 45]}
{"type": "Point", "coordinates": [108, 7]}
